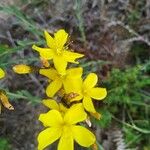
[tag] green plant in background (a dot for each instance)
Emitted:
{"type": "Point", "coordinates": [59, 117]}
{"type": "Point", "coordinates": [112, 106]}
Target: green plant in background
{"type": "Point", "coordinates": [4, 144]}
{"type": "Point", "coordinates": [135, 13]}
{"type": "Point", "coordinates": [128, 102]}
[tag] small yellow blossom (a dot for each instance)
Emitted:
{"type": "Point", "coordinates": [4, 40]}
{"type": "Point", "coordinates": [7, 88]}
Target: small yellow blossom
{"type": "Point", "coordinates": [87, 90]}
{"type": "Point", "coordinates": [2, 73]}
{"type": "Point", "coordinates": [59, 80]}
{"type": "Point", "coordinates": [52, 104]}
{"type": "Point", "coordinates": [22, 69]}
{"type": "Point", "coordinates": [65, 129]}
{"type": "Point", "coordinates": [57, 50]}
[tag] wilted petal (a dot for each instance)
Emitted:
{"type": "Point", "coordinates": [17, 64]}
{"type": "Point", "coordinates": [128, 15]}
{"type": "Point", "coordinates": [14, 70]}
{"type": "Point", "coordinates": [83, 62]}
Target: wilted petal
{"type": "Point", "coordinates": [46, 53]}
{"type": "Point", "coordinates": [75, 114]}
{"type": "Point", "coordinates": [53, 87]}
{"type": "Point", "coordinates": [90, 81]}
{"type": "Point", "coordinates": [5, 101]}
{"type": "Point", "coordinates": [98, 93]}
{"type": "Point", "coordinates": [71, 56]}
{"type": "Point", "coordinates": [88, 104]}
{"type": "Point", "coordinates": [47, 137]}
{"type": "Point", "coordinates": [51, 118]}
{"type": "Point", "coordinates": [50, 73]}
{"type": "Point", "coordinates": [50, 103]}
{"type": "Point", "coordinates": [83, 136]}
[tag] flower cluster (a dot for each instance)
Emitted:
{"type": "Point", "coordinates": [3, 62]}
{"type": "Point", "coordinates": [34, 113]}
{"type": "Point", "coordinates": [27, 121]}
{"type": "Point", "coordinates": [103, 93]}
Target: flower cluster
{"type": "Point", "coordinates": [65, 119]}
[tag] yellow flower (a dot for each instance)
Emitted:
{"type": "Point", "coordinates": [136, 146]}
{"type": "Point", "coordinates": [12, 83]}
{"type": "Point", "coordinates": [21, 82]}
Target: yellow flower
{"type": "Point", "coordinates": [87, 90]}
{"type": "Point", "coordinates": [52, 104]}
{"type": "Point", "coordinates": [59, 80]}
{"type": "Point", "coordinates": [57, 50]}
{"type": "Point", "coordinates": [65, 129]}
{"type": "Point", "coordinates": [2, 73]}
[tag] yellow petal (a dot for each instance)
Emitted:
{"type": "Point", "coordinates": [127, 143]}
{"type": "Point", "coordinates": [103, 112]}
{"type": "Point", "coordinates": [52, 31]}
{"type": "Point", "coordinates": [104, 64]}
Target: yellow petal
{"type": "Point", "coordinates": [83, 136]}
{"type": "Point", "coordinates": [53, 87]}
{"type": "Point", "coordinates": [74, 72]}
{"type": "Point", "coordinates": [90, 81]}
{"type": "Point", "coordinates": [2, 73]}
{"type": "Point", "coordinates": [50, 103]}
{"type": "Point", "coordinates": [50, 73]}
{"type": "Point", "coordinates": [22, 69]}
{"type": "Point", "coordinates": [60, 64]}
{"type": "Point", "coordinates": [98, 93]}
{"type": "Point", "coordinates": [47, 137]}
{"type": "Point", "coordinates": [46, 53]}
{"type": "Point", "coordinates": [66, 142]}
{"type": "Point", "coordinates": [49, 40]}
{"type": "Point", "coordinates": [75, 114]}
{"type": "Point", "coordinates": [88, 104]}
{"type": "Point", "coordinates": [60, 38]}
{"type": "Point", "coordinates": [71, 56]}
{"type": "Point", "coordinates": [52, 118]}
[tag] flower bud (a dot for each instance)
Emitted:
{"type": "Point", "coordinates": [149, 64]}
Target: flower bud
{"type": "Point", "coordinates": [22, 69]}
{"type": "Point", "coordinates": [2, 73]}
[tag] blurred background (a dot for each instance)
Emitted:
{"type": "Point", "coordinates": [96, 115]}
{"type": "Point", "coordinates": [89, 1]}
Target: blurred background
{"type": "Point", "coordinates": [114, 35]}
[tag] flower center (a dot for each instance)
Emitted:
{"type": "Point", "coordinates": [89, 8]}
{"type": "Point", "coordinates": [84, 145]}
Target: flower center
{"type": "Point", "coordinates": [65, 126]}
{"type": "Point", "coordinates": [62, 76]}
{"type": "Point", "coordinates": [84, 91]}
{"type": "Point", "coordinates": [59, 51]}
{"type": "Point", "coordinates": [66, 129]}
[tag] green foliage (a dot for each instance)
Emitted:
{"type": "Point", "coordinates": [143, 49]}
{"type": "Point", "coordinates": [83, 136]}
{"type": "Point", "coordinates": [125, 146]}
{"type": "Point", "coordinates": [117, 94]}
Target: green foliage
{"type": "Point", "coordinates": [139, 52]}
{"type": "Point", "coordinates": [25, 21]}
{"type": "Point", "coordinates": [134, 16]}
{"type": "Point", "coordinates": [127, 87]}
{"type": "Point", "coordinates": [128, 99]}
{"type": "Point", "coordinates": [27, 24]}
{"type": "Point", "coordinates": [24, 94]}
{"type": "Point", "coordinates": [4, 144]}
{"type": "Point", "coordinates": [132, 138]}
